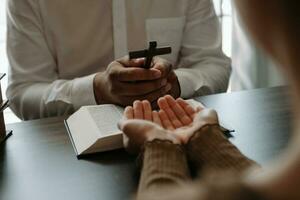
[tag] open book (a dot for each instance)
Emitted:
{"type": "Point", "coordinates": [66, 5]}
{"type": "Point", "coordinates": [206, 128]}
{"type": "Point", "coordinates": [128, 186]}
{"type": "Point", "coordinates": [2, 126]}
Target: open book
{"type": "Point", "coordinates": [94, 128]}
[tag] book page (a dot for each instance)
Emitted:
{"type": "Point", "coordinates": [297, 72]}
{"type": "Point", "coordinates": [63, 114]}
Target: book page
{"type": "Point", "coordinates": [83, 130]}
{"type": "Point", "coordinates": [106, 117]}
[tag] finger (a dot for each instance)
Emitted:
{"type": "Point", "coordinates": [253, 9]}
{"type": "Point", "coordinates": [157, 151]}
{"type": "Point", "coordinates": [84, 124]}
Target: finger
{"type": "Point", "coordinates": [162, 65]}
{"type": "Point", "coordinates": [153, 96]}
{"type": "Point", "coordinates": [138, 110]}
{"type": "Point", "coordinates": [156, 118]}
{"type": "Point", "coordinates": [130, 140]}
{"type": "Point", "coordinates": [197, 110]}
{"type": "Point", "coordinates": [187, 107]}
{"type": "Point", "coordinates": [126, 62]}
{"type": "Point", "coordinates": [135, 73]}
{"type": "Point", "coordinates": [167, 124]}
{"type": "Point", "coordinates": [128, 113]}
{"type": "Point", "coordinates": [207, 115]}
{"type": "Point", "coordinates": [147, 110]}
{"type": "Point", "coordinates": [139, 88]}
{"type": "Point", "coordinates": [198, 104]}
{"type": "Point", "coordinates": [179, 111]}
{"type": "Point", "coordinates": [163, 104]}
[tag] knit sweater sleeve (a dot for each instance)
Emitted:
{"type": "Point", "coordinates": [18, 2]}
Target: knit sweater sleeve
{"type": "Point", "coordinates": [210, 150]}
{"type": "Point", "coordinates": [165, 172]}
{"type": "Point", "coordinates": [164, 165]}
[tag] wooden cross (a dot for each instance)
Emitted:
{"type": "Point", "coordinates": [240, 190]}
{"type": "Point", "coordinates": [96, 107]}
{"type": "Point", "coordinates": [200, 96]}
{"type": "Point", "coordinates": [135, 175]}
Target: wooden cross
{"type": "Point", "coordinates": [150, 53]}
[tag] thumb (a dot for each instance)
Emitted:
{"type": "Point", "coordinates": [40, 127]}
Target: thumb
{"type": "Point", "coordinates": [125, 125]}
{"type": "Point", "coordinates": [133, 126]}
{"type": "Point", "coordinates": [125, 61]}
{"type": "Point", "coordinates": [208, 116]}
{"type": "Point", "coordinates": [163, 66]}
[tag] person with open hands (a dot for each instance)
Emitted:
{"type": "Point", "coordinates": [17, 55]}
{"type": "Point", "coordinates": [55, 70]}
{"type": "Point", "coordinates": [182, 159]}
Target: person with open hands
{"type": "Point", "coordinates": [173, 140]}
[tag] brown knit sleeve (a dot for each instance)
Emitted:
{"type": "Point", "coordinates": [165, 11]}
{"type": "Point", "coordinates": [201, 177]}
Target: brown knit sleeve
{"type": "Point", "coordinates": [209, 150]}
{"type": "Point", "coordinates": [165, 174]}
{"type": "Point", "coordinates": [164, 165]}
{"type": "Point", "coordinates": [216, 186]}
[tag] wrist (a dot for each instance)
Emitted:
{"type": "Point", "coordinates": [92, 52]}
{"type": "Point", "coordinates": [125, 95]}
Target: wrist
{"type": "Point", "coordinates": [99, 93]}
{"type": "Point", "coordinates": [176, 90]}
{"type": "Point", "coordinates": [163, 135]}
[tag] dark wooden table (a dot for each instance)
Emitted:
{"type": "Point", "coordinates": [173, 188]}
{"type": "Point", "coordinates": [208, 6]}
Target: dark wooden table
{"type": "Point", "coordinates": [38, 162]}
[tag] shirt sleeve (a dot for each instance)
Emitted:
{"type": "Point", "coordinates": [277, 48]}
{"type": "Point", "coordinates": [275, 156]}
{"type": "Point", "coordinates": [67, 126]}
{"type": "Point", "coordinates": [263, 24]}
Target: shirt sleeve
{"type": "Point", "coordinates": [35, 88]}
{"type": "Point", "coordinates": [202, 68]}
{"type": "Point", "coordinates": [210, 150]}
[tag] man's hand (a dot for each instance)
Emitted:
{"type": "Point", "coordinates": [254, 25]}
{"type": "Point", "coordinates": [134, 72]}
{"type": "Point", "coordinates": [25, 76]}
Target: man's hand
{"type": "Point", "coordinates": [167, 72]}
{"type": "Point", "coordinates": [125, 81]}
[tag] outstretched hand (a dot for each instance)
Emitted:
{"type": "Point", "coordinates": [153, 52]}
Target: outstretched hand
{"type": "Point", "coordinates": [177, 113]}
{"type": "Point", "coordinates": [140, 124]}
{"type": "Point", "coordinates": [176, 121]}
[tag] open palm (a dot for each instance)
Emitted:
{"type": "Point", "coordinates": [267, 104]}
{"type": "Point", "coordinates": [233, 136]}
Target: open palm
{"type": "Point", "coordinates": [176, 121]}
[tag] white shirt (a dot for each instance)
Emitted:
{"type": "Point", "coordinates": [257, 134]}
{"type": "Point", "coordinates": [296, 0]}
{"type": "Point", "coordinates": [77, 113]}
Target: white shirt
{"type": "Point", "coordinates": [56, 47]}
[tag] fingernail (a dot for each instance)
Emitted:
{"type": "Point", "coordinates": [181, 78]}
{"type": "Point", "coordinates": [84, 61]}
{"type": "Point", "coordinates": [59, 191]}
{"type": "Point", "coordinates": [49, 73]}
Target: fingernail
{"type": "Point", "coordinates": [135, 102]}
{"type": "Point", "coordinates": [164, 82]}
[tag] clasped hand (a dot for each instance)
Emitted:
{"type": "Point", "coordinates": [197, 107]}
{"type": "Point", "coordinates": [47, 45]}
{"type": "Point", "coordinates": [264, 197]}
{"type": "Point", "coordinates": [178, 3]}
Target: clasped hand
{"type": "Point", "coordinates": [176, 121]}
{"type": "Point", "coordinates": [125, 81]}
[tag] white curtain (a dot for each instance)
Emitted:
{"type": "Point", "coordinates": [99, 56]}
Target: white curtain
{"type": "Point", "coordinates": [251, 67]}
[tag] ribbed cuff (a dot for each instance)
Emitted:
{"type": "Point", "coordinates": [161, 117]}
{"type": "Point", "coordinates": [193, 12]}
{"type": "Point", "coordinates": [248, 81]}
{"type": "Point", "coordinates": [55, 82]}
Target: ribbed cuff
{"type": "Point", "coordinates": [164, 165]}
{"type": "Point", "coordinates": [208, 149]}
{"type": "Point", "coordinates": [83, 92]}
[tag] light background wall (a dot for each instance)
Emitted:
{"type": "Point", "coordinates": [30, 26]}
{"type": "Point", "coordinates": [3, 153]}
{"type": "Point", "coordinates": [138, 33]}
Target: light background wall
{"type": "Point", "coordinates": [9, 115]}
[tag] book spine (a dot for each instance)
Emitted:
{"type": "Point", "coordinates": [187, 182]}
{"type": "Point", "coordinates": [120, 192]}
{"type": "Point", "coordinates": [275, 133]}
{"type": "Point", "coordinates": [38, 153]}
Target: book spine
{"type": "Point", "coordinates": [4, 134]}
{"type": "Point", "coordinates": [2, 123]}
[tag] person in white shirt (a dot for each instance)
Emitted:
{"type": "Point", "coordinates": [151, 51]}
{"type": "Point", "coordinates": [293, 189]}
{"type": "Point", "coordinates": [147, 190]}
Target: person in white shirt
{"type": "Point", "coordinates": [67, 54]}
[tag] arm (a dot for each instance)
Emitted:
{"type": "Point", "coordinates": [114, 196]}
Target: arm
{"type": "Point", "coordinates": [164, 163]}
{"type": "Point", "coordinates": [165, 172]}
{"type": "Point", "coordinates": [164, 166]}
{"type": "Point", "coordinates": [210, 150]}
{"type": "Point", "coordinates": [206, 145]}
{"type": "Point", "coordinates": [35, 88]}
{"type": "Point", "coordinates": [203, 68]}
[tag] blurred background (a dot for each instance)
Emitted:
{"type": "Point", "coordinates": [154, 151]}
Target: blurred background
{"type": "Point", "coordinates": [251, 67]}
{"type": "Point", "coordinates": [9, 115]}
